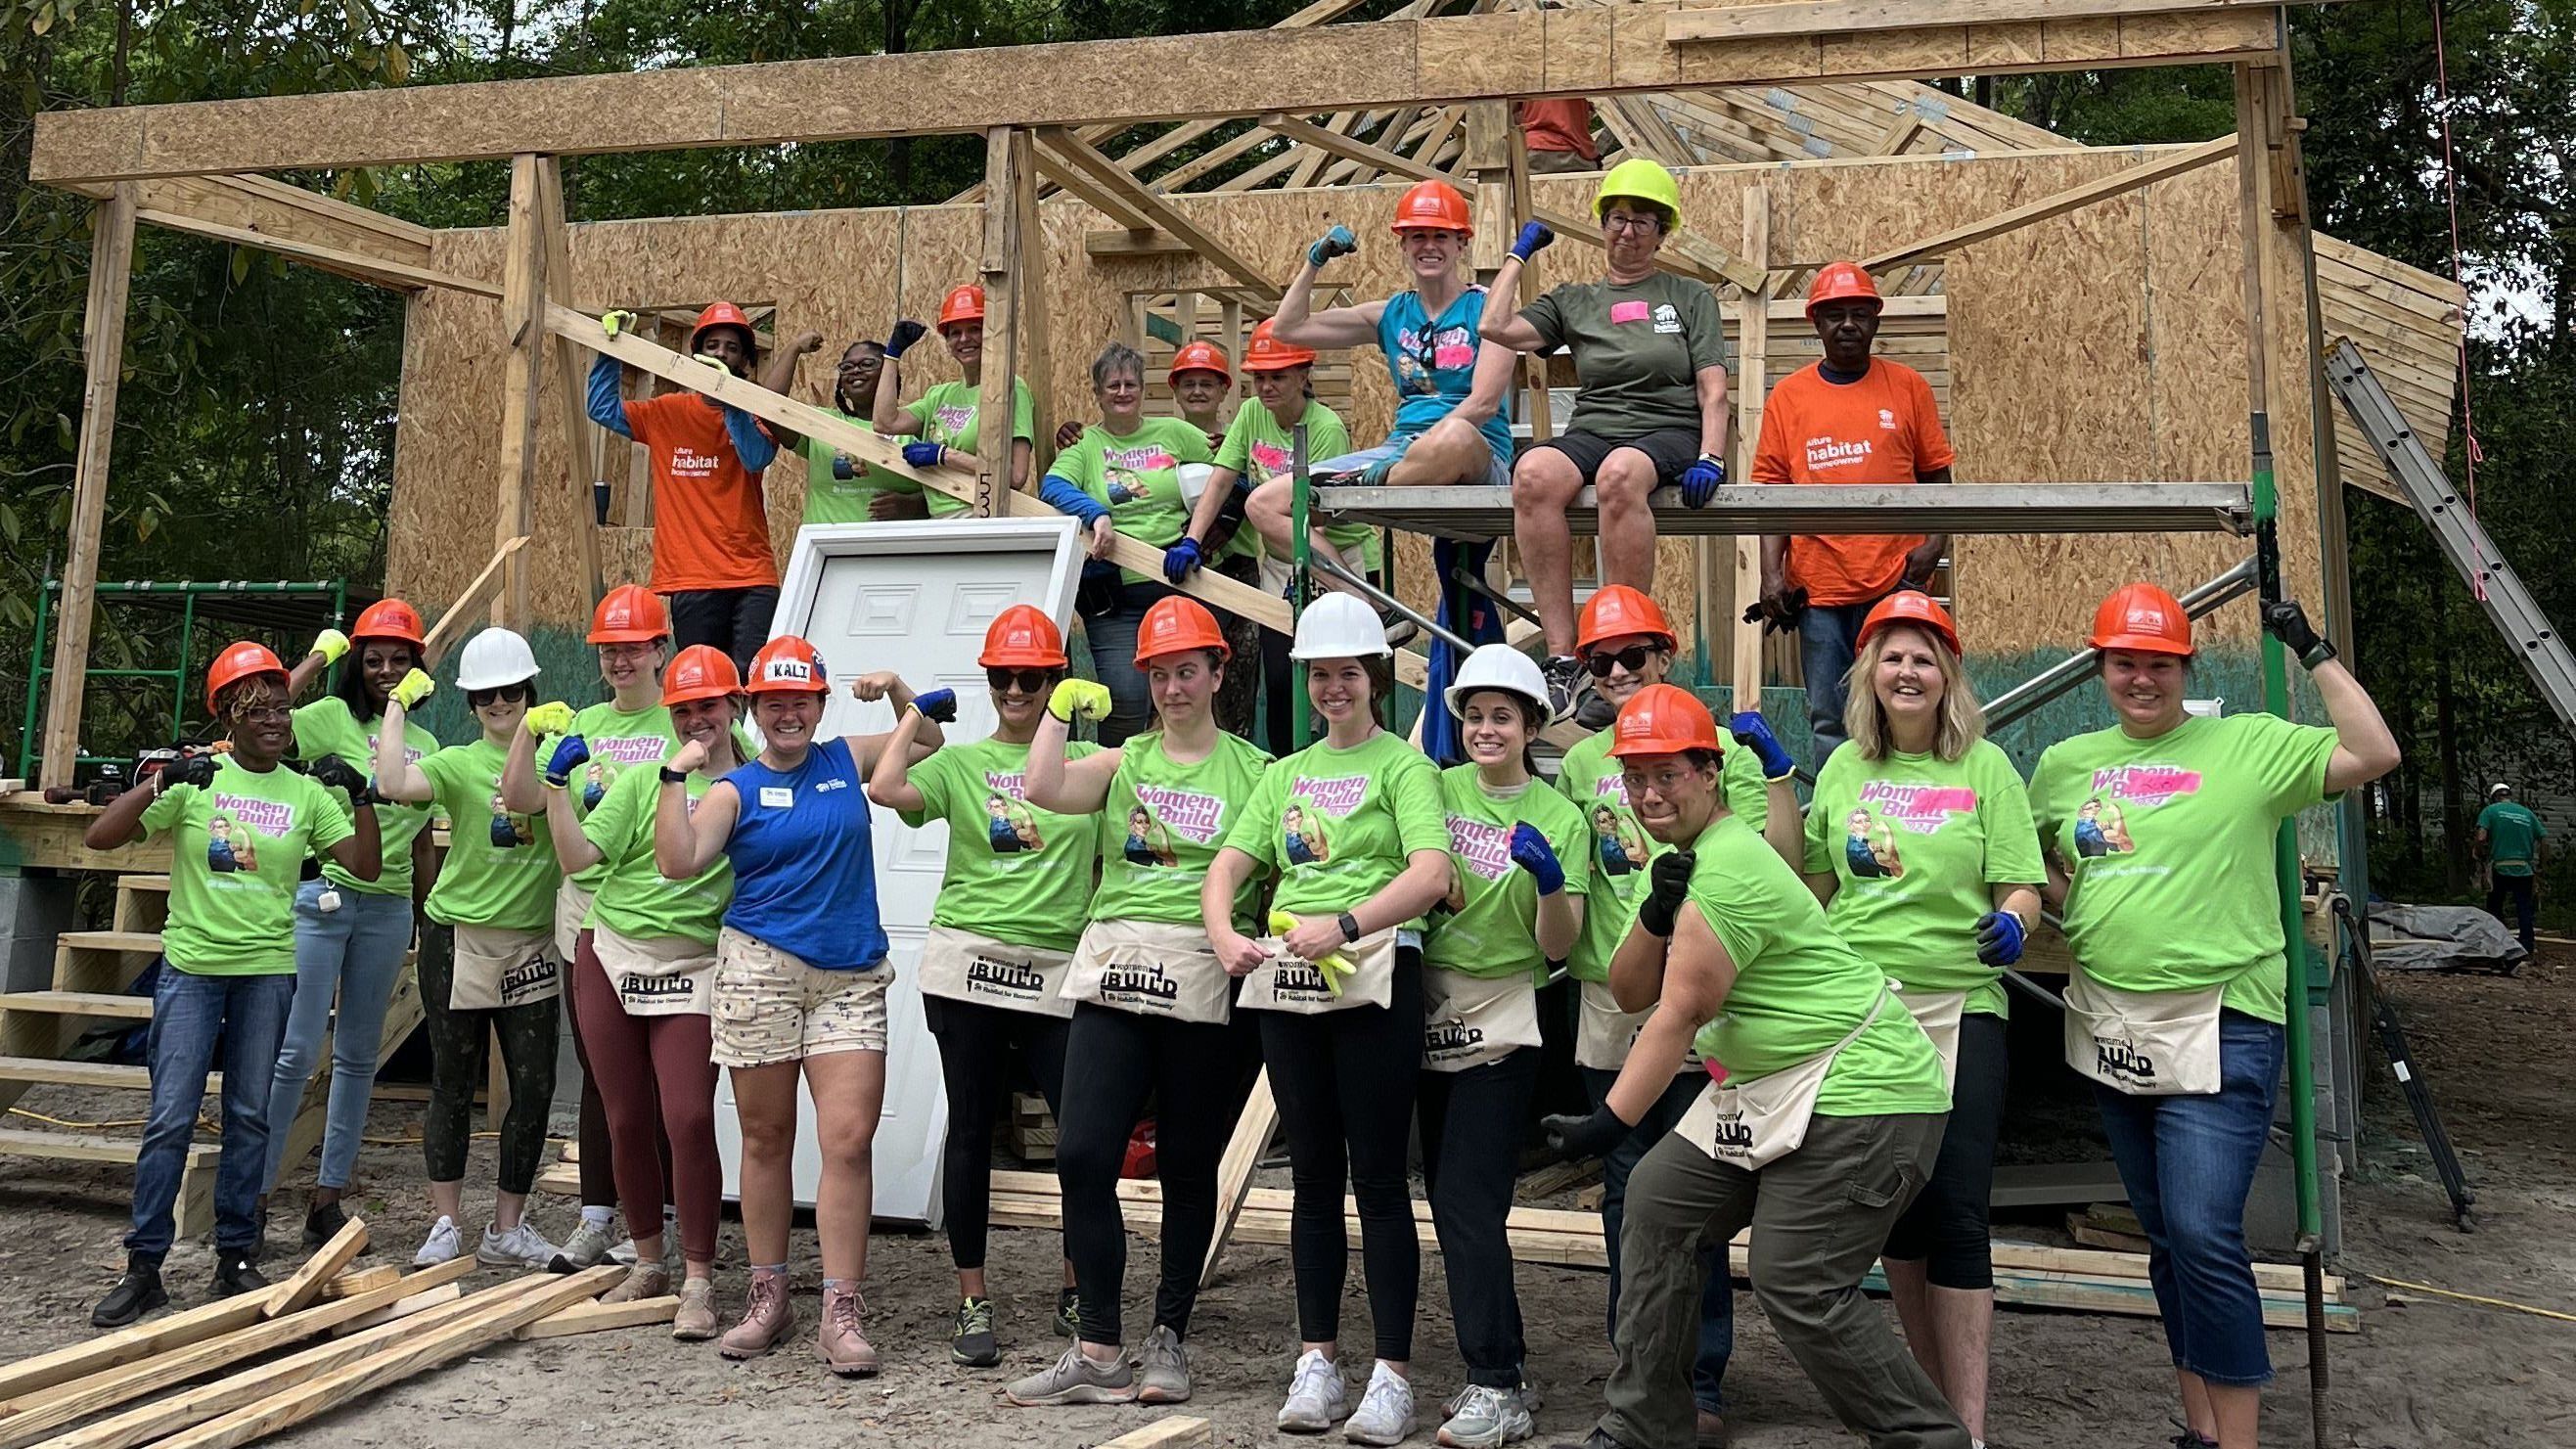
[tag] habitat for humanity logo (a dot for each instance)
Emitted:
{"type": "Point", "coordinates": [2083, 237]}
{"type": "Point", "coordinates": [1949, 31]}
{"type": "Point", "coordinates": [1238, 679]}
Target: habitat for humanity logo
{"type": "Point", "coordinates": [1919, 809]}
{"type": "Point", "coordinates": [2148, 785]}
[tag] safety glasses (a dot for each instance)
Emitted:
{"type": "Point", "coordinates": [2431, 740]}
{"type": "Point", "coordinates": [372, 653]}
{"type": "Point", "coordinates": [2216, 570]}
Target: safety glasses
{"type": "Point", "coordinates": [1633, 659]}
{"type": "Point", "coordinates": [1026, 681]}
{"type": "Point", "coordinates": [477, 698]}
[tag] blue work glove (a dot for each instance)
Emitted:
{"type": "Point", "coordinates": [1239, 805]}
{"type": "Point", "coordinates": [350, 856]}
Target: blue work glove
{"type": "Point", "coordinates": [1999, 938]}
{"type": "Point", "coordinates": [1532, 853]}
{"type": "Point", "coordinates": [1753, 732]}
{"type": "Point", "coordinates": [1534, 238]}
{"type": "Point", "coordinates": [906, 333]}
{"type": "Point", "coordinates": [1183, 559]}
{"type": "Point", "coordinates": [1700, 482]}
{"type": "Point", "coordinates": [924, 454]}
{"type": "Point", "coordinates": [571, 752]}
{"type": "Point", "coordinates": [938, 706]}
{"type": "Point", "coordinates": [1335, 243]}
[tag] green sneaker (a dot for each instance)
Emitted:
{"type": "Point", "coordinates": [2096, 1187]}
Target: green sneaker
{"type": "Point", "coordinates": [1068, 1314]}
{"type": "Point", "coordinates": [972, 1342]}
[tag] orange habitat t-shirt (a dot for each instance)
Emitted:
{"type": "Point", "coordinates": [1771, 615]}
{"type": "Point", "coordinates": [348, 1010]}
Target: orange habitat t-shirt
{"type": "Point", "coordinates": [1559, 126]}
{"type": "Point", "coordinates": [1883, 429]}
{"type": "Point", "coordinates": [710, 523]}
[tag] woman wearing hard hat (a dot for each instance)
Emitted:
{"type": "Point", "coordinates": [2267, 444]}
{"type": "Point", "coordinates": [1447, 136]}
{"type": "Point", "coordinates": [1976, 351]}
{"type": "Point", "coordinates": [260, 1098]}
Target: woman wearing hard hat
{"type": "Point", "coordinates": [1822, 1120]}
{"type": "Point", "coordinates": [350, 935]}
{"type": "Point", "coordinates": [1001, 936]}
{"type": "Point", "coordinates": [838, 487]}
{"type": "Point", "coordinates": [1153, 1016]}
{"type": "Point", "coordinates": [1648, 350]}
{"type": "Point", "coordinates": [1943, 925]}
{"type": "Point", "coordinates": [227, 973]}
{"type": "Point", "coordinates": [1337, 981]}
{"type": "Point", "coordinates": [643, 983]}
{"type": "Point", "coordinates": [943, 422]}
{"type": "Point", "coordinates": [801, 973]}
{"type": "Point", "coordinates": [2180, 1031]}
{"type": "Point", "coordinates": [1123, 473]}
{"type": "Point", "coordinates": [1200, 382]}
{"type": "Point", "coordinates": [1517, 856]}
{"type": "Point", "coordinates": [487, 962]}
{"type": "Point", "coordinates": [711, 555]}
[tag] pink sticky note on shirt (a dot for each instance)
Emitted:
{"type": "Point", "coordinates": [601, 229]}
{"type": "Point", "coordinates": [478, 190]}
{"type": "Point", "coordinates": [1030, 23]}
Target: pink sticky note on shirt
{"type": "Point", "coordinates": [1627, 312]}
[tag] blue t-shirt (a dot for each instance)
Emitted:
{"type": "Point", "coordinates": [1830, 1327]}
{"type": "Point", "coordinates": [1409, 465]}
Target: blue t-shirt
{"type": "Point", "coordinates": [804, 867]}
{"type": "Point", "coordinates": [1434, 363]}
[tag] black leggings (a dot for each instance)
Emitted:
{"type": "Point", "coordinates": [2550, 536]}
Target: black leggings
{"type": "Point", "coordinates": [975, 1043]}
{"type": "Point", "coordinates": [1472, 1125]}
{"type": "Point", "coordinates": [1197, 1074]}
{"type": "Point", "coordinates": [457, 1043]}
{"type": "Point", "coordinates": [1945, 1227]}
{"type": "Point", "coordinates": [1345, 1082]}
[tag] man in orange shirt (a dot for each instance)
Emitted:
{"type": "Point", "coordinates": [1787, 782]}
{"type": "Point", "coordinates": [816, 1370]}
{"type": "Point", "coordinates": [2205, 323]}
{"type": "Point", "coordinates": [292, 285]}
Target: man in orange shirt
{"type": "Point", "coordinates": [1848, 418]}
{"type": "Point", "coordinates": [711, 555]}
{"type": "Point", "coordinates": [1559, 135]}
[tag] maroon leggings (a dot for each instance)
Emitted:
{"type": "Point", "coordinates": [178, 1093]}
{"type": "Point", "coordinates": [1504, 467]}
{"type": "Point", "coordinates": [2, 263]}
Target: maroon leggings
{"type": "Point", "coordinates": [654, 1071]}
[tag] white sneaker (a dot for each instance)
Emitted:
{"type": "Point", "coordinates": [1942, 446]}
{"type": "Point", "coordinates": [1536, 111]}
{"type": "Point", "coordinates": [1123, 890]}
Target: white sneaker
{"type": "Point", "coordinates": [1316, 1399]}
{"type": "Point", "coordinates": [585, 1248]}
{"type": "Point", "coordinates": [441, 1246]}
{"type": "Point", "coordinates": [520, 1247]}
{"type": "Point", "coordinates": [1485, 1418]}
{"type": "Point", "coordinates": [1385, 1414]}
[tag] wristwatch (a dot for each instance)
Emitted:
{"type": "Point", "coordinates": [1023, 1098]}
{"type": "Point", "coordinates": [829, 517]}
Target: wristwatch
{"type": "Point", "coordinates": [674, 777]}
{"type": "Point", "coordinates": [2323, 651]}
{"type": "Point", "coordinates": [1350, 926]}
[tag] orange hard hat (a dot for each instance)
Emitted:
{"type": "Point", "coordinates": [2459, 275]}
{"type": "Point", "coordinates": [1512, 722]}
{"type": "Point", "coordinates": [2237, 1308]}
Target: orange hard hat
{"type": "Point", "coordinates": [1199, 357]}
{"type": "Point", "coordinates": [1619, 609]}
{"type": "Point", "coordinates": [1177, 624]}
{"type": "Point", "coordinates": [1266, 353]}
{"type": "Point", "coordinates": [631, 614]}
{"type": "Point", "coordinates": [1836, 281]}
{"type": "Point", "coordinates": [2142, 619]}
{"type": "Point", "coordinates": [702, 671]}
{"type": "Point", "coordinates": [1023, 638]}
{"type": "Point", "coordinates": [238, 662]}
{"type": "Point", "coordinates": [1911, 606]}
{"type": "Point", "coordinates": [1663, 719]}
{"type": "Point", "coordinates": [787, 665]}
{"type": "Point", "coordinates": [962, 304]}
{"type": "Point", "coordinates": [390, 619]}
{"type": "Point", "coordinates": [723, 314]}
{"type": "Point", "coordinates": [1432, 206]}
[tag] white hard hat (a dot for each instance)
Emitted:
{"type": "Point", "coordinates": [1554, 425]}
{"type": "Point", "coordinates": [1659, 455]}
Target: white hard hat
{"type": "Point", "coordinates": [1193, 480]}
{"type": "Point", "coordinates": [2500, 788]}
{"type": "Point", "coordinates": [1498, 666]}
{"type": "Point", "coordinates": [1339, 626]}
{"type": "Point", "coordinates": [494, 658]}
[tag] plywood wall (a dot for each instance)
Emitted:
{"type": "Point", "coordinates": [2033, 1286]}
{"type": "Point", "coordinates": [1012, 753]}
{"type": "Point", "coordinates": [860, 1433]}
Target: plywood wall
{"type": "Point", "coordinates": [2103, 346]}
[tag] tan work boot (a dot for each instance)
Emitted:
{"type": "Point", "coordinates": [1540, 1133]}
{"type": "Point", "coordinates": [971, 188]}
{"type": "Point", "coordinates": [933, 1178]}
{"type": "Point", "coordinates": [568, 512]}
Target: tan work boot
{"type": "Point", "coordinates": [844, 1349]}
{"type": "Point", "coordinates": [765, 1319]}
{"type": "Point", "coordinates": [644, 1280]}
{"type": "Point", "coordinates": [696, 1319]}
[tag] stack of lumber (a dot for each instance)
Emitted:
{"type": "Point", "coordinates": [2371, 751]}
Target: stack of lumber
{"type": "Point", "coordinates": [1032, 1129]}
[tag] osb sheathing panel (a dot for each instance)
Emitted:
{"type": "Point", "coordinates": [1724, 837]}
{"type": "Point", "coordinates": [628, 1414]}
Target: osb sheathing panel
{"type": "Point", "coordinates": [2102, 346]}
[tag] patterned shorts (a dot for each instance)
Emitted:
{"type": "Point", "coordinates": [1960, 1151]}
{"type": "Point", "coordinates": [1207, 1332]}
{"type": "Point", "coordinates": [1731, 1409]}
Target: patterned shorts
{"type": "Point", "coordinates": [771, 1007]}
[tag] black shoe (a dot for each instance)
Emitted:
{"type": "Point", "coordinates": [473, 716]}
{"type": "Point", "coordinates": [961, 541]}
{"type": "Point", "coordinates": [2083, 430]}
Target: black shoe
{"type": "Point", "coordinates": [236, 1273]}
{"type": "Point", "coordinates": [136, 1293]}
{"type": "Point", "coordinates": [322, 1223]}
{"type": "Point", "coordinates": [1399, 628]}
{"type": "Point", "coordinates": [1564, 676]}
{"type": "Point", "coordinates": [1068, 1313]}
{"type": "Point", "coordinates": [971, 1341]}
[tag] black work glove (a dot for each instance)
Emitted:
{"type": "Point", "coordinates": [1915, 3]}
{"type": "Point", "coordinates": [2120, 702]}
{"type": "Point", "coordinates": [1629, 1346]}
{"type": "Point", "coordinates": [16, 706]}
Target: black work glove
{"type": "Point", "coordinates": [197, 770]}
{"type": "Point", "coordinates": [333, 773]}
{"type": "Point", "coordinates": [906, 333]}
{"type": "Point", "coordinates": [2287, 622]}
{"type": "Point", "coordinates": [1597, 1134]}
{"type": "Point", "coordinates": [1667, 886]}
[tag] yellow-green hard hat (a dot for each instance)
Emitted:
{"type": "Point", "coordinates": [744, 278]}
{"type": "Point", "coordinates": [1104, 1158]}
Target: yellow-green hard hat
{"type": "Point", "coordinates": [1642, 180]}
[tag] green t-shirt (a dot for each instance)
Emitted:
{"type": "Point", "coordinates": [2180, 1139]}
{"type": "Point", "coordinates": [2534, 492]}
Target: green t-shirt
{"type": "Point", "coordinates": [838, 487]}
{"type": "Point", "coordinates": [1913, 842]}
{"type": "Point", "coordinates": [2513, 836]}
{"type": "Point", "coordinates": [1015, 873]}
{"type": "Point", "coordinates": [1258, 446]}
{"type": "Point", "coordinates": [1488, 927]}
{"type": "Point", "coordinates": [1138, 475]}
{"type": "Point", "coordinates": [1638, 349]}
{"type": "Point", "coordinates": [618, 742]}
{"type": "Point", "coordinates": [946, 413]}
{"type": "Point", "coordinates": [323, 730]}
{"type": "Point", "coordinates": [1619, 847]}
{"type": "Point", "coordinates": [1164, 821]}
{"type": "Point", "coordinates": [237, 849]}
{"type": "Point", "coordinates": [1337, 825]}
{"type": "Point", "coordinates": [633, 898]}
{"type": "Point", "coordinates": [2168, 845]}
{"type": "Point", "coordinates": [500, 871]}
{"type": "Point", "coordinates": [1799, 990]}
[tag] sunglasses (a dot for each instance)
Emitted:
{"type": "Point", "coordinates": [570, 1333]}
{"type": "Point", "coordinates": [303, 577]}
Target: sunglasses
{"type": "Point", "coordinates": [1633, 659]}
{"type": "Point", "coordinates": [1026, 681]}
{"type": "Point", "coordinates": [477, 698]}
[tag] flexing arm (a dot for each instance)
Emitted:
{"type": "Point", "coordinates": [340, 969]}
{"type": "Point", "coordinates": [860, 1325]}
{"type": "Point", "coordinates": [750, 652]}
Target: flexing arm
{"type": "Point", "coordinates": [890, 779]}
{"type": "Point", "coordinates": [1495, 366]}
{"type": "Point", "coordinates": [521, 790]}
{"type": "Point", "coordinates": [686, 841]}
{"type": "Point", "coordinates": [1697, 976]}
{"type": "Point", "coordinates": [397, 777]}
{"type": "Point", "coordinates": [781, 375]}
{"type": "Point", "coordinates": [1067, 787]}
{"type": "Point", "coordinates": [925, 737]}
{"type": "Point", "coordinates": [1786, 830]}
{"type": "Point", "coordinates": [606, 408]}
{"type": "Point", "coordinates": [121, 823]}
{"type": "Point", "coordinates": [1297, 326]}
{"type": "Point", "coordinates": [886, 409]}
{"type": "Point", "coordinates": [1560, 920]}
{"type": "Point", "coordinates": [2364, 747]}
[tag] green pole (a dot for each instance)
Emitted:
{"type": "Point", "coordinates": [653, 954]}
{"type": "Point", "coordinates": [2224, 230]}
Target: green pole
{"type": "Point", "coordinates": [2294, 935]}
{"type": "Point", "coordinates": [1301, 578]}
{"type": "Point", "coordinates": [36, 671]}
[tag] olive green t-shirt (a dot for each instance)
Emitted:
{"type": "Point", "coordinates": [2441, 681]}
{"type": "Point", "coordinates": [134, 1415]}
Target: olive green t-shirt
{"type": "Point", "coordinates": [237, 849]}
{"type": "Point", "coordinates": [1138, 475]}
{"type": "Point", "coordinates": [1338, 825]}
{"type": "Point", "coordinates": [633, 897]}
{"type": "Point", "coordinates": [1619, 848]}
{"type": "Point", "coordinates": [1638, 348]}
{"type": "Point", "coordinates": [947, 414]}
{"type": "Point", "coordinates": [500, 871]}
{"type": "Point", "coordinates": [325, 730]}
{"type": "Point", "coordinates": [1488, 927]}
{"type": "Point", "coordinates": [1015, 872]}
{"type": "Point", "coordinates": [838, 487]}
{"type": "Point", "coordinates": [619, 741]}
{"type": "Point", "coordinates": [1164, 821]}
{"type": "Point", "coordinates": [1259, 447]}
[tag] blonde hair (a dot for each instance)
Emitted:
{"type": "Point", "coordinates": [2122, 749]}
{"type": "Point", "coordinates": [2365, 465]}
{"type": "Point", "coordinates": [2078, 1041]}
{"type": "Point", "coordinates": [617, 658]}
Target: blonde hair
{"type": "Point", "coordinates": [1962, 722]}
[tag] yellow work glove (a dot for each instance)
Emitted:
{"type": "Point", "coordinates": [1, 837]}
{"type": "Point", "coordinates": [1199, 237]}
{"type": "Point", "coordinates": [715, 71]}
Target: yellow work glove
{"type": "Point", "coordinates": [613, 323]}
{"type": "Point", "coordinates": [551, 718]}
{"type": "Point", "coordinates": [414, 688]}
{"type": "Point", "coordinates": [330, 644]}
{"type": "Point", "coordinates": [715, 362]}
{"type": "Point", "coordinates": [1334, 968]}
{"type": "Point", "coordinates": [1079, 699]}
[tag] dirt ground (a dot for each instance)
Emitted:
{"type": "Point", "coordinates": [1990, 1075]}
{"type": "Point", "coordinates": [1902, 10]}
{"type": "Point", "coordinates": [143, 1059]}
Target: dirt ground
{"type": "Point", "coordinates": [2424, 1371]}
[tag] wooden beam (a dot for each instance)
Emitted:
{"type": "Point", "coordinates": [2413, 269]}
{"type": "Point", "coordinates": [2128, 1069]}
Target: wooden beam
{"type": "Point", "coordinates": [111, 275]}
{"type": "Point", "coordinates": [1752, 350]}
{"type": "Point", "coordinates": [450, 629]}
{"type": "Point", "coordinates": [581, 438]}
{"type": "Point", "coordinates": [1180, 1431]}
{"type": "Point", "coordinates": [1119, 242]}
{"type": "Point", "coordinates": [1077, 157]}
{"type": "Point", "coordinates": [402, 1307]}
{"type": "Point", "coordinates": [354, 1281]}
{"type": "Point", "coordinates": [1037, 343]}
{"type": "Point", "coordinates": [522, 339]}
{"type": "Point", "coordinates": [306, 1283]}
{"type": "Point", "coordinates": [2118, 183]}
{"type": "Point", "coordinates": [1685, 253]}
{"type": "Point", "coordinates": [26, 1380]}
{"type": "Point", "coordinates": [1005, 148]}
{"type": "Point", "coordinates": [1392, 163]}
{"type": "Point", "coordinates": [597, 1317]}
{"type": "Point", "coordinates": [1841, 17]}
{"type": "Point", "coordinates": [1252, 1132]}
{"type": "Point", "coordinates": [355, 265]}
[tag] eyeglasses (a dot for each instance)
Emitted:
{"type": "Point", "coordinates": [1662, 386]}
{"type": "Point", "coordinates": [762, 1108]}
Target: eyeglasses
{"type": "Point", "coordinates": [1616, 222]}
{"type": "Point", "coordinates": [1633, 659]}
{"type": "Point", "coordinates": [1662, 782]}
{"type": "Point", "coordinates": [260, 713]}
{"type": "Point", "coordinates": [1026, 681]}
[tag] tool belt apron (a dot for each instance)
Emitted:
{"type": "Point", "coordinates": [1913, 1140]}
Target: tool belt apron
{"type": "Point", "coordinates": [2144, 1043]}
{"type": "Point", "coordinates": [1753, 1124]}
{"type": "Point", "coordinates": [1603, 1033]}
{"type": "Point", "coordinates": [966, 966]}
{"type": "Point", "coordinates": [495, 969]}
{"type": "Point", "coordinates": [1938, 1013]}
{"type": "Point", "coordinates": [1151, 968]}
{"type": "Point", "coordinates": [1285, 981]}
{"type": "Point", "coordinates": [572, 907]}
{"type": "Point", "coordinates": [656, 975]}
{"type": "Point", "coordinates": [1471, 1021]}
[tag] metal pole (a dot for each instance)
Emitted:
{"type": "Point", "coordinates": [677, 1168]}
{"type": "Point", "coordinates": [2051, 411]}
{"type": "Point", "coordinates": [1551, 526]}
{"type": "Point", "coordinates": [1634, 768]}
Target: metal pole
{"type": "Point", "coordinates": [1301, 579]}
{"type": "Point", "coordinates": [1383, 599]}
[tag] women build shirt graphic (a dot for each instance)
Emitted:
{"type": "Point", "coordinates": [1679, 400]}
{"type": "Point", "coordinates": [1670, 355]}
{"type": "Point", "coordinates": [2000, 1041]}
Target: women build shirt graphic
{"type": "Point", "coordinates": [1164, 815]}
{"type": "Point", "coordinates": [2102, 825]}
{"type": "Point", "coordinates": [1014, 872]}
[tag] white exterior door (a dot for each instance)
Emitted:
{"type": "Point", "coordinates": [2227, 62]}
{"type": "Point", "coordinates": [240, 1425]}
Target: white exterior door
{"type": "Point", "coordinates": [914, 598]}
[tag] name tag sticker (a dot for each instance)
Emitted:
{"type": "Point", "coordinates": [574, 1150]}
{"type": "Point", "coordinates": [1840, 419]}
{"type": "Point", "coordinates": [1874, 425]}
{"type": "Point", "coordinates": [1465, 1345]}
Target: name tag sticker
{"type": "Point", "coordinates": [777, 796]}
{"type": "Point", "coordinates": [1622, 312]}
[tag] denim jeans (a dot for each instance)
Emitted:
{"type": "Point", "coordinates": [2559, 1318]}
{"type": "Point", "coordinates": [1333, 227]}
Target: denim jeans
{"type": "Point", "coordinates": [356, 954]}
{"type": "Point", "coordinates": [1828, 638]}
{"type": "Point", "coordinates": [193, 1016]}
{"type": "Point", "coordinates": [1113, 662]}
{"type": "Point", "coordinates": [2188, 1163]}
{"type": "Point", "coordinates": [1717, 1287]}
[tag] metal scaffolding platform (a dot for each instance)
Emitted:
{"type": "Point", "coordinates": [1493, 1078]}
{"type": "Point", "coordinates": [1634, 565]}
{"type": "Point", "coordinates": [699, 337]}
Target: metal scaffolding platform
{"type": "Point", "coordinates": [1477, 513]}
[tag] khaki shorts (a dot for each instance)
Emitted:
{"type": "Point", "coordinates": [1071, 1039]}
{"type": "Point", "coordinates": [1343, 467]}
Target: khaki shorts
{"type": "Point", "coordinates": [770, 1007]}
